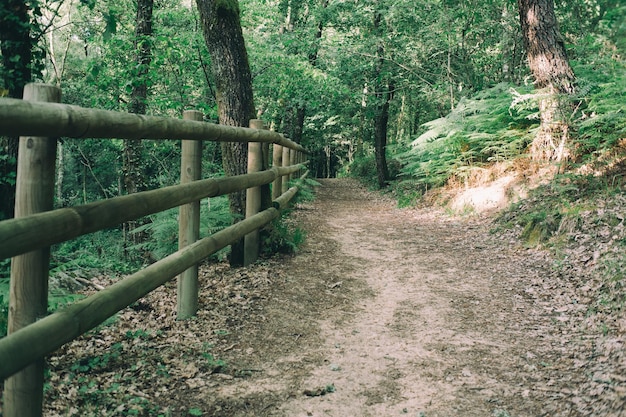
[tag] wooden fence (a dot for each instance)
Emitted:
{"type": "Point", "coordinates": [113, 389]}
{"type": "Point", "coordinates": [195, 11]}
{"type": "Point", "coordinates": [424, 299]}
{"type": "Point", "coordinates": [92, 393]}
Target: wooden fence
{"type": "Point", "coordinates": [27, 238]}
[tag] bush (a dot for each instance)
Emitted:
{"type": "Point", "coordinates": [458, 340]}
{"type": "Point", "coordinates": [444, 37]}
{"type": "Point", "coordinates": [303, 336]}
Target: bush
{"type": "Point", "coordinates": [280, 237]}
{"type": "Point", "coordinates": [102, 251]}
{"type": "Point", "coordinates": [364, 168]}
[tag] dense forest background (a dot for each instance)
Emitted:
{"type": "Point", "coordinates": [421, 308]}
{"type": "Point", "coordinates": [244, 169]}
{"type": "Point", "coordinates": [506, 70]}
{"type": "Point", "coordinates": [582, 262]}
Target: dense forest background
{"type": "Point", "coordinates": [445, 83]}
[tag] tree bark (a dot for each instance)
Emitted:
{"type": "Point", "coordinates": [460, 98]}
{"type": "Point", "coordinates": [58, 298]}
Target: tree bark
{"type": "Point", "coordinates": [553, 74]}
{"type": "Point", "coordinates": [133, 175]}
{"type": "Point", "coordinates": [235, 103]}
{"type": "Point", "coordinates": [16, 44]}
{"type": "Point", "coordinates": [383, 93]}
{"type": "Point", "coordinates": [381, 121]}
{"type": "Point", "coordinates": [132, 169]}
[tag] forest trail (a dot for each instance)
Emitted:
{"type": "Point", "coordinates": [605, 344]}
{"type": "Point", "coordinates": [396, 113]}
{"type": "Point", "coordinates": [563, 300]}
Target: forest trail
{"type": "Point", "coordinates": [389, 311]}
{"type": "Point", "coordinates": [382, 312]}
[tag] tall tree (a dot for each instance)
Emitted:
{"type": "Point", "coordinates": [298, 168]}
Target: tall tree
{"type": "Point", "coordinates": [133, 178]}
{"type": "Point", "coordinates": [16, 43]}
{"type": "Point", "coordinates": [221, 25]}
{"type": "Point", "coordinates": [553, 74]}
{"type": "Point", "coordinates": [383, 91]}
{"type": "Point", "coordinates": [132, 162]}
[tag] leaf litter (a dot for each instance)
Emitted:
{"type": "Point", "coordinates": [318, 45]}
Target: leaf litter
{"type": "Point", "coordinates": [400, 311]}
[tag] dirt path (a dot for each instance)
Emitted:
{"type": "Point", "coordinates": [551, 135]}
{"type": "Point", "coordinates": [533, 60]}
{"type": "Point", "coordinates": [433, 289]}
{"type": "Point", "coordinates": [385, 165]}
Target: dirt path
{"type": "Point", "coordinates": [432, 337]}
{"type": "Point", "coordinates": [397, 312]}
{"type": "Point", "coordinates": [382, 312]}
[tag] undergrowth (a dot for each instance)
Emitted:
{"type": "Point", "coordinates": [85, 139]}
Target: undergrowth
{"type": "Point", "coordinates": [103, 252]}
{"type": "Point", "coordinates": [580, 219]}
{"type": "Point", "coordinates": [489, 127]}
{"type": "Point", "coordinates": [363, 167]}
{"type": "Point", "coordinates": [498, 124]}
{"type": "Point", "coordinates": [162, 228]}
{"type": "Point", "coordinates": [540, 215]}
{"type": "Point", "coordinates": [282, 235]}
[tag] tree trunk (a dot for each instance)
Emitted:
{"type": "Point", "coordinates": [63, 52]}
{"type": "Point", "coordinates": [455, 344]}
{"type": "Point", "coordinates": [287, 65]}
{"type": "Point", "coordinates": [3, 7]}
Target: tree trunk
{"type": "Point", "coordinates": [383, 93]}
{"type": "Point", "coordinates": [554, 77]}
{"type": "Point", "coordinates": [133, 175]}
{"type": "Point", "coordinates": [298, 126]}
{"type": "Point", "coordinates": [235, 103]}
{"type": "Point", "coordinates": [16, 44]}
{"type": "Point", "coordinates": [132, 169]}
{"type": "Point", "coordinates": [380, 141]}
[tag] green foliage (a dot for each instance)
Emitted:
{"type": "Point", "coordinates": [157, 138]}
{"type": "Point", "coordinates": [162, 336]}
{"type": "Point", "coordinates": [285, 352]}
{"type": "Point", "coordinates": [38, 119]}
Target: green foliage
{"type": "Point", "coordinates": [281, 237]}
{"type": "Point", "coordinates": [490, 126]}
{"type": "Point", "coordinates": [542, 214]}
{"type": "Point", "coordinates": [9, 177]}
{"type": "Point", "coordinates": [96, 252]}
{"type": "Point", "coordinates": [305, 190]}
{"type": "Point", "coordinates": [138, 334]}
{"type": "Point", "coordinates": [601, 121]}
{"type": "Point", "coordinates": [4, 311]}
{"type": "Point", "coordinates": [95, 364]}
{"type": "Point", "coordinates": [363, 167]}
{"type": "Point", "coordinates": [162, 228]}
{"type": "Point", "coordinates": [57, 298]}
{"type": "Point", "coordinates": [213, 364]}
{"type": "Point", "coordinates": [407, 192]}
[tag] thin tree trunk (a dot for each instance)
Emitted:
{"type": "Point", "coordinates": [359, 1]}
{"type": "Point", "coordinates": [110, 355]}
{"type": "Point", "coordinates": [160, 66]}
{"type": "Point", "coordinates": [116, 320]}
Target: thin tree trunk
{"type": "Point", "coordinates": [229, 63]}
{"type": "Point", "coordinates": [133, 175]}
{"type": "Point", "coordinates": [381, 122]}
{"type": "Point", "coordinates": [299, 123]}
{"type": "Point", "coordinates": [553, 74]}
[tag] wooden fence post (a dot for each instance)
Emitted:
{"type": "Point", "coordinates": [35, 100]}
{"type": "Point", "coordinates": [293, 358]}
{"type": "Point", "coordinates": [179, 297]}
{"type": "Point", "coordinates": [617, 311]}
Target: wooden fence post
{"type": "Point", "coordinates": [23, 392]}
{"type": "Point", "coordinates": [266, 193]}
{"type": "Point", "coordinates": [277, 161]}
{"type": "Point", "coordinates": [253, 197]}
{"type": "Point", "coordinates": [285, 184]}
{"type": "Point", "coordinates": [293, 157]}
{"type": "Point", "coordinates": [189, 222]}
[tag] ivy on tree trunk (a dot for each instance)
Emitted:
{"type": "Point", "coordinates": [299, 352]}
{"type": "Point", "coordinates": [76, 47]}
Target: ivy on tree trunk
{"type": "Point", "coordinates": [235, 103]}
{"type": "Point", "coordinates": [133, 172]}
{"type": "Point", "coordinates": [134, 180]}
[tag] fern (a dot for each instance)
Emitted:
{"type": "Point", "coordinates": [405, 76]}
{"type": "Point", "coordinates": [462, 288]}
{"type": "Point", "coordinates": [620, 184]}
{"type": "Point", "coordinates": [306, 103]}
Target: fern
{"type": "Point", "coordinates": [162, 228]}
{"type": "Point", "coordinates": [493, 125]}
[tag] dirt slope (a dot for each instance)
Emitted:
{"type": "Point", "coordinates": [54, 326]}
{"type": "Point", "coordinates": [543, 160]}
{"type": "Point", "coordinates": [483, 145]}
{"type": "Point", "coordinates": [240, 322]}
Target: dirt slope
{"type": "Point", "coordinates": [383, 312]}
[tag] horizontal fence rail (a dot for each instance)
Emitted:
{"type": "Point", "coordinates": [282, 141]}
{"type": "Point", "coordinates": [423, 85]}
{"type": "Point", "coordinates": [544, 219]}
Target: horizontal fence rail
{"type": "Point", "coordinates": [44, 229]}
{"type": "Point", "coordinates": [29, 118]}
{"type": "Point", "coordinates": [35, 334]}
{"type": "Point", "coordinates": [21, 348]}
